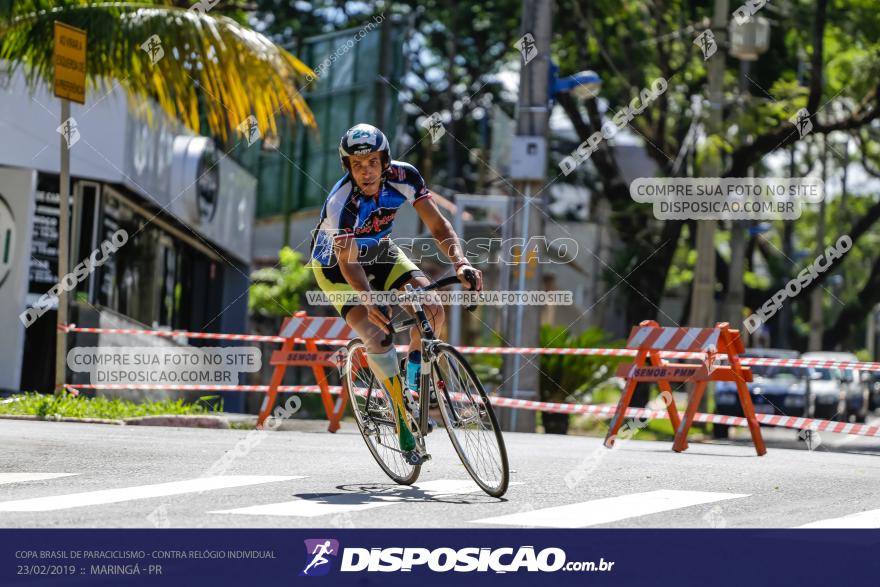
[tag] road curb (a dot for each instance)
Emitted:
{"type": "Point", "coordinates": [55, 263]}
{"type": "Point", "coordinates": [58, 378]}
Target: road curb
{"type": "Point", "coordinates": [61, 419]}
{"type": "Point", "coordinates": [188, 421]}
{"type": "Point", "coordinates": [216, 422]}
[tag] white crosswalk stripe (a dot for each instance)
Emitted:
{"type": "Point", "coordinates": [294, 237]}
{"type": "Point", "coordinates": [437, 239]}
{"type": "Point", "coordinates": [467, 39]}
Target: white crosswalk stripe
{"type": "Point", "coordinates": [105, 496]}
{"type": "Point", "coordinates": [353, 502]}
{"type": "Point", "coordinates": [868, 519]}
{"type": "Point", "coordinates": [610, 509]}
{"type": "Point", "coordinates": [25, 477]}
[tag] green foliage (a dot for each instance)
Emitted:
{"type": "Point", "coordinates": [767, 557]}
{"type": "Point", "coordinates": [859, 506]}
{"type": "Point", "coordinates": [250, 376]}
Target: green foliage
{"type": "Point", "coordinates": [568, 378]}
{"type": "Point", "coordinates": [277, 291]}
{"type": "Point", "coordinates": [855, 269]}
{"type": "Point", "coordinates": [454, 55]}
{"type": "Point", "coordinates": [212, 66]}
{"type": "Point", "coordinates": [488, 366]}
{"type": "Point", "coordinates": [752, 279]}
{"type": "Point", "coordinates": [68, 405]}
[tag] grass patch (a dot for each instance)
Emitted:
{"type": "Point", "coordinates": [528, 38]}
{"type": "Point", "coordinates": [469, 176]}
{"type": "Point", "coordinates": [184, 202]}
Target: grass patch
{"type": "Point", "coordinates": [71, 406]}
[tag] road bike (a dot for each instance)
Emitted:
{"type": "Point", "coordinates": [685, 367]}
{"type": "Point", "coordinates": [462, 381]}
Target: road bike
{"type": "Point", "coordinates": [448, 381]}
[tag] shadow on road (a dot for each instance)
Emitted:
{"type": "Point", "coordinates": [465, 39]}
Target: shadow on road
{"type": "Point", "coordinates": [362, 494]}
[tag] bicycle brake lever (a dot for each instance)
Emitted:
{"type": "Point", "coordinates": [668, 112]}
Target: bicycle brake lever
{"type": "Point", "coordinates": [471, 277]}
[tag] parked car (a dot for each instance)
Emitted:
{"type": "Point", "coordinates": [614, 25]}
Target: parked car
{"type": "Point", "coordinates": [840, 394]}
{"type": "Point", "coordinates": [774, 390]}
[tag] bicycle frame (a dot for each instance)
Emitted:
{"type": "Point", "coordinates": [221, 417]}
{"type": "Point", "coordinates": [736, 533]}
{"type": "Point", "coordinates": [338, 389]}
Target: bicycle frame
{"type": "Point", "coordinates": [445, 382]}
{"type": "Point", "coordinates": [428, 344]}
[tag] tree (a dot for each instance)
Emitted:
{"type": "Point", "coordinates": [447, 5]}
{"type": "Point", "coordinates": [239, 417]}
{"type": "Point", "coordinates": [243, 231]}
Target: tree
{"type": "Point", "coordinates": [631, 42]}
{"type": "Point", "coordinates": [453, 55]}
{"type": "Point", "coordinates": [277, 291]}
{"type": "Point", "coordinates": [194, 64]}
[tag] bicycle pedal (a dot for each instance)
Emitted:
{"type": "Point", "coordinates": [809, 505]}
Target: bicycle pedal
{"type": "Point", "coordinates": [415, 458]}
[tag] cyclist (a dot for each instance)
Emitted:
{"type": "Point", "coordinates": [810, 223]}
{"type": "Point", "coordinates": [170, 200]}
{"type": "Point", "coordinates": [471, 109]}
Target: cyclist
{"type": "Point", "coordinates": [351, 252]}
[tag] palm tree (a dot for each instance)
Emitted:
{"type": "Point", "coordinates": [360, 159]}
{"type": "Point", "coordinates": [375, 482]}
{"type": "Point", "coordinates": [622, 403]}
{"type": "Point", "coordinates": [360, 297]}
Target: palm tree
{"type": "Point", "coordinates": [193, 62]}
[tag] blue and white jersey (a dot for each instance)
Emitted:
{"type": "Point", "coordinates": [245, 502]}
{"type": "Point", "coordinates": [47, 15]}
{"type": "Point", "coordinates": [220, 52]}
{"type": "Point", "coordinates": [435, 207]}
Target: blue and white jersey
{"type": "Point", "coordinates": [349, 213]}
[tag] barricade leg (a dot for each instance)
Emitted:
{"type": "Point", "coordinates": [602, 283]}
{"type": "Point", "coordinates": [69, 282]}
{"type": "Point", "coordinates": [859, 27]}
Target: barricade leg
{"type": "Point", "coordinates": [745, 400]}
{"type": "Point", "coordinates": [333, 415]}
{"type": "Point", "coordinates": [670, 408]}
{"type": "Point", "coordinates": [664, 386]}
{"type": "Point", "coordinates": [620, 414]}
{"type": "Point", "coordinates": [272, 392]}
{"type": "Point", "coordinates": [681, 432]}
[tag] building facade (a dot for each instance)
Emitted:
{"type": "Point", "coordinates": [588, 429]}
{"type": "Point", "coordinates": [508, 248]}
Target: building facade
{"type": "Point", "coordinates": [187, 209]}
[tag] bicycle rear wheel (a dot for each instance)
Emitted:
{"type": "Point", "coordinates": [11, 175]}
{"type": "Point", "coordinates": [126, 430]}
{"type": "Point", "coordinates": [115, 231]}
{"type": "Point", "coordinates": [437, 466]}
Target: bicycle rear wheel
{"type": "Point", "coordinates": [375, 418]}
{"type": "Point", "coordinates": [470, 420]}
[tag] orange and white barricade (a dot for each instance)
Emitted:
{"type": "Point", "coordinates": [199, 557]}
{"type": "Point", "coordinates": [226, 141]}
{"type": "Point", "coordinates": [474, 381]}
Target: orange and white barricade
{"type": "Point", "coordinates": [649, 339]}
{"type": "Point", "coordinates": [308, 329]}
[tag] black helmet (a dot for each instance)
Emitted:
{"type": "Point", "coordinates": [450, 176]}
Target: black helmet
{"type": "Point", "coordinates": [362, 139]}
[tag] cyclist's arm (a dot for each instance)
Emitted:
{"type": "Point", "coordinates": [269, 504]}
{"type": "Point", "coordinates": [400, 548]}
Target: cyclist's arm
{"type": "Point", "coordinates": [445, 236]}
{"type": "Point", "coordinates": [354, 274]}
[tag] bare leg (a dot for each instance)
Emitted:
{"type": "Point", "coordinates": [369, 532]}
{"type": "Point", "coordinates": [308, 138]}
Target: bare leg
{"type": "Point", "coordinates": [383, 362]}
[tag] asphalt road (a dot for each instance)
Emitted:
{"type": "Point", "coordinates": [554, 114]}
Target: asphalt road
{"type": "Point", "coordinates": [59, 475]}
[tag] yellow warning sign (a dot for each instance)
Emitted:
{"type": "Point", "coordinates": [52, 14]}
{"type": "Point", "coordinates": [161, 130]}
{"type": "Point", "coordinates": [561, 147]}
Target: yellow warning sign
{"type": "Point", "coordinates": [70, 62]}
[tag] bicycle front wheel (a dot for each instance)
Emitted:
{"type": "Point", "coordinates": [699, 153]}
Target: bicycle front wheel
{"type": "Point", "coordinates": [470, 420]}
{"type": "Point", "coordinates": [374, 414]}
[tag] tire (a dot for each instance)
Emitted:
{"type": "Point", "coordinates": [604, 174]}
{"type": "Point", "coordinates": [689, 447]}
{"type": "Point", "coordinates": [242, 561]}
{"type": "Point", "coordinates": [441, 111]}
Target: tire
{"type": "Point", "coordinates": [376, 424]}
{"type": "Point", "coordinates": [823, 414]}
{"type": "Point", "coordinates": [862, 415]}
{"type": "Point", "coordinates": [842, 414]}
{"type": "Point", "coordinates": [480, 448]}
{"type": "Point", "coordinates": [720, 430]}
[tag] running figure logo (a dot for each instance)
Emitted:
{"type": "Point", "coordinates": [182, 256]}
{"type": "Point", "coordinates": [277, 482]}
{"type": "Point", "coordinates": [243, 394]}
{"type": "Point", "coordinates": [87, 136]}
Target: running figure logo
{"type": "Point", "coordinates": [153, 48]}
{"type": "Point", "coordinates": [528, 47]}
{"type": "Point", "coordinates": [318, 549]}
{"type": "Point", "coordinates": [707, 44]}
{"type": "Point", "coordinates": [801, 121]}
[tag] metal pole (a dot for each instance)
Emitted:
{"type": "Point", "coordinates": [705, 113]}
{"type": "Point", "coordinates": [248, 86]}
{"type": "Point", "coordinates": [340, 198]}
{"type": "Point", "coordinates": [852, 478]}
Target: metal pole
{"type": "Point", "coordinates": [733, 303]}
{"type": "Point", "coordinates": [455, 309]}
{"type": "Point", "coordinates": [703, 299]}
{"type": "Point", "coordinates": [816, 322]}
{"type": "Point", "coordinates": [63, 251]}
{"type": "Point", "coordinates": [532, 120]}
{"type": "Point", "coordinates": [788, 252]}
{"type": "Point", "coordinates": [521, 286]}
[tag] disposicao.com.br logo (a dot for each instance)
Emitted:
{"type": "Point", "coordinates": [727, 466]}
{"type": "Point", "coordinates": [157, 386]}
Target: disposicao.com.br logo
{"type": "Point", "coordinates": [444, 559]}
{"type": "Point", "coordinates": [318, 549]}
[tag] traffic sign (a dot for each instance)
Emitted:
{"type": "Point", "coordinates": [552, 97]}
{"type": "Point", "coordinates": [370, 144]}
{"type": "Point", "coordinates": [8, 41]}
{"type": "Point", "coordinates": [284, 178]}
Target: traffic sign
{"type": "Point", "coordinates": [70, 63]}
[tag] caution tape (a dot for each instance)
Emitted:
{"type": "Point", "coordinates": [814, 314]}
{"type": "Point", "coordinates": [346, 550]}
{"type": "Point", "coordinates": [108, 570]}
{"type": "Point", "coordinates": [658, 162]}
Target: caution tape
{"type": "Point", "coordinates": [602, 411]}
{"type": "Point", "coordinates": [173, 333]}
{"type": "Point", "coordinates": [608, 411]}
{"type": "Point", "coordinates": [197, 387]}
{"type": "Point", "coordinates": [488, 350]}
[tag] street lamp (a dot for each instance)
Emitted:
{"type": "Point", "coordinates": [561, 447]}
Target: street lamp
{"type": "Point", "coordinates": [750, 38]}
{"type": "Point", "coordinates": [760, 228]}
{"type": "Point", "coordinates": [584, 85]}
